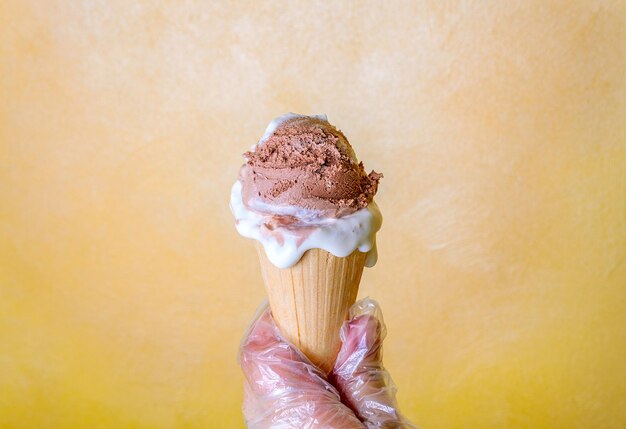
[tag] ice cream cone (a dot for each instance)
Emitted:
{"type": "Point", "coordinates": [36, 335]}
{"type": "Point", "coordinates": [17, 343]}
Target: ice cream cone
{"type": "Point", "coordinates": [304, 197]}
{"type": "Point", "coordinates": [310, 300]}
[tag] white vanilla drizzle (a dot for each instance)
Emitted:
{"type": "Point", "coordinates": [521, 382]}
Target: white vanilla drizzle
{"type": "Point", "coordinates": [339, 236]}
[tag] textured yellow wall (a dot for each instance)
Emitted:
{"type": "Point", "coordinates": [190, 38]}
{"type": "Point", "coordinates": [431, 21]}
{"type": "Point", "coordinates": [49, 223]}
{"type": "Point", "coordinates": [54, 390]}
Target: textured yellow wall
{"type": "Point", "coordinates": [501, 130]}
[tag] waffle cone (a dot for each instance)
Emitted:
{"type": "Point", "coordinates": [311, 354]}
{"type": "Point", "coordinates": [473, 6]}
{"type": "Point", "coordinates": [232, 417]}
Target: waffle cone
{"type": "Point", "coordinates": [310, 300]}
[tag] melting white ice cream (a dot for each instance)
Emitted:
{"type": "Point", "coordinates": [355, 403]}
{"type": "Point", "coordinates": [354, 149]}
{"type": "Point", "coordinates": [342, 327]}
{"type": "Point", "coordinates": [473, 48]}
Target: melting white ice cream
{"type": "Point", "coordinates": [284, 246]}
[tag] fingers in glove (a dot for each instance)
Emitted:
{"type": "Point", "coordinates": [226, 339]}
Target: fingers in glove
{"type": "Point", "coordinates": [283, 389]}
{"type": "Point", "coordinates": [364, 384]}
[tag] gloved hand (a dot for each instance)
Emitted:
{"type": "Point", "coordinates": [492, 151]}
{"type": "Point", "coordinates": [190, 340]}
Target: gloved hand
{"type": "Point", "coordinates": [283, 389]}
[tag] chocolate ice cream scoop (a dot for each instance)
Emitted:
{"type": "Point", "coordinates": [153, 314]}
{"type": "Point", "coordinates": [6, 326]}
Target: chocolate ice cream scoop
{"type": "Point", "coordinates": [305, 167]}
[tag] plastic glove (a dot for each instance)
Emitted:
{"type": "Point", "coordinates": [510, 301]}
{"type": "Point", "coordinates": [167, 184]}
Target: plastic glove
{"type": "Point", "coordinates": [283, 389]}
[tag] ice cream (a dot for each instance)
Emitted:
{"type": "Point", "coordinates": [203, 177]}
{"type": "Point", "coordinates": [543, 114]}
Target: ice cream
{"type": "Point", "coordinates": [303, 188]}
{"type": "Point", "coordinates": [308, 202]}
{"type": "Point", "coordinates": [309, 164]}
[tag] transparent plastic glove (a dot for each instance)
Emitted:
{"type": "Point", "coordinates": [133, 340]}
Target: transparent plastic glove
{"type": "Point", "coordinates": [283, 389]}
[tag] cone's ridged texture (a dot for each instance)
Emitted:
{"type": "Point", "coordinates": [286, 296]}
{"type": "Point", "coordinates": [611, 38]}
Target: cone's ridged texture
{"type": "Point", "coordinates": [310, 300]}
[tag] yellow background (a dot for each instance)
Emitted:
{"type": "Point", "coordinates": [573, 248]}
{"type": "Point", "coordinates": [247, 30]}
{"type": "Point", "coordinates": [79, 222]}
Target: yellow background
{"type": "Point", "coordinates": [500, 128]}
